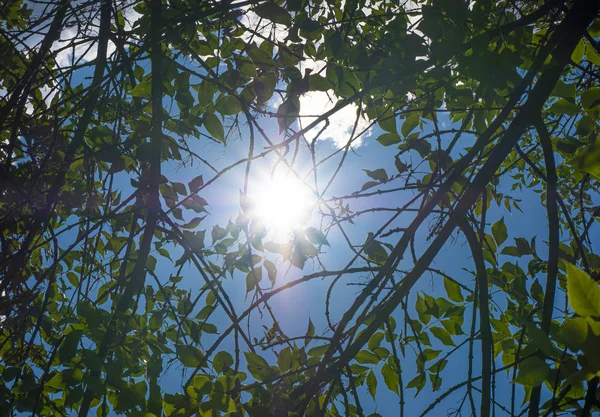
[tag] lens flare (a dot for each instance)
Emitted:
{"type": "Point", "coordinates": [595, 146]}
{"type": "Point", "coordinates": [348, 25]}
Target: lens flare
{"type": "Point", "coordinates": [282, 203]}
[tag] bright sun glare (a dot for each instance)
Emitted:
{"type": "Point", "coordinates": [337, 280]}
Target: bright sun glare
{"type": "Point", "coordinates": [282, 203]}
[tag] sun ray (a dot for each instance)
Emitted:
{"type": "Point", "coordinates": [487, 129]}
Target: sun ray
{"type": "Point", "coordinates": [282, 202]}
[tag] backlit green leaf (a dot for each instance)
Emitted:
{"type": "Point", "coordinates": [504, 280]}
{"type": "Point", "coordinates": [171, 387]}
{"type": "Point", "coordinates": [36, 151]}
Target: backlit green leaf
{"type": "Point", "coordinates": [500, 232]}
{"type": "Point", "coordinates": [583, 292]}
{"type": "Point", "coordinates": [364, 356]}
{"type": "Point", "coordinates": [453, 290]}
{"type": "Point", "coordinates": [409, 124]}
{"type": "Point", "coordinates": [214, 126]}
{"type": "Point", "coordinates": [189, 355]}
{"type": "Point", "coordinates": [372, 384]}
{"type": "Point", "coordinates": [275, 13]}
{"type": "Point", "coordinates": [532, 372]}
{"type": "Point", "coordinates": [388, 139]}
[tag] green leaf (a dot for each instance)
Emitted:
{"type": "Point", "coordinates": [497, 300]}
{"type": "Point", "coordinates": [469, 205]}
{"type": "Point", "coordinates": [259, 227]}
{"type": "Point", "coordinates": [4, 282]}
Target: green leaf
{"type": "Point", "coordinates": [583, 292]}
{"type": "Point", "coordinates": [206, 93]}
{"type": "Point", "coordinates": [594, 325]}
{"type": "Point", "coordinates": [369, 184]}
{"type": "Point", "coordinates": [574, 331]}
{"type": "Point", "coordinates": [310, 332]}
{"type": "Point", "coordinates": [390, 377]}
{"type": "Point", "coordinates": [364, 356]}
{"type": "Point", "coordinates": [591, 54]}
{"type": "Point", "coordinates": [10, 373]}
{"type": "Point", "coordinates": [542, 341]}
{"type": "Point", "coordinates": [179, 188]}
{"type": "Point", "coordinates": [258, 366]}
{"type": "Point", "coordinates": [202, 383]}
{"type": "Point", "coordinates": [400, 166]}
{"type": "Point", "coordinates": [585, 126]}
{"type": "Point", "coordinates": [246, 66]}
{"type": "Point", "coordinates": [417, 382]}
{"type": "Point", "coordinates": [422, 311]}
{"type": "Point", "coordinates": [287, 113]}
{"type": "Point", "coordinates": [285, 359]}
{"type": "Point", "coordinates": [532, 372]}
{"type": "Point", "coordinates": [388, 123]}
{"type": "Point", "coordinates": [68, 348]}
{"type": "Point", "coordinates": [222, 361]}
{"type": "Point", "coordinates": [255, 360]}
{"type": "Point", "coordinates": [594, 29]}
{"type": "Point", "coordinates": [190, 356]}
{"type": "Point", "coordinates": [318, 83]}
{"type": "Point", "coordinates": [453, 290]}
{"type": "Point", "coordinates": [566, 91]}
{"type": "Point", "coordinates": [523, 246]}
{"type": "Point", "coordinates": [410, 123]}
{"type": "Point", "coordinates": [590, 98]}
{"type": "Point", "coordinates": [381, 352]}
{"type": "Point", "coordinates": [316, 236]}
{"type": "Point", "coordinates": [372, 383]}
{"type": "Point", "coordinates": [196, 183]}
{"type": "Point", "coordinates": [438, 366]}
{"type": "Point", "coordinates": [228, 105]}
{"type": "Point", "coordinates": [511, 251]}
{"type": "Point", "coordinates": [500, 232]}
{"type": "Point", "coordinates": [375, 341]}
{"type": "Point", "coordinates": [430, 354]}
{"type": "Point", "coordinates": [388, 139]}
{"type": "Point", "coordinates": [578, 52]}
{"type": "Point", "coordinates": [442, 335]}
{"type": "Point", "coordinates": [271, 271]}
{"type": "Point", "coordinates": [142, 90]}
{"type": "Point", "coordinates": [275, 13]}
{"type": "Point", "coordinates": [253, 278]}
{"type": "Point", "coordinates": [452, 327]}
{"type": "Point", "coordinates": [564, 107]}
{"type": "Point", "coordinates": [588, 159]}
{"type": "Point", "coordinates": [214, 127]}
{"type": "Point", "coordinates": [375, 250]}
{"type": "Point", "coordinates": [500, 326]}
{"type": "Point", "coordinates": [57, 381]}
{"type": "Point", "coordinates": [378, 174]}
{"type": "Point", "coordinates": [318, 351]}
{"type": "Point", "coordinates": [101, 135]}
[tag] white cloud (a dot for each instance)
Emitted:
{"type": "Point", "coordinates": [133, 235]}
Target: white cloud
{"type": "Point", "coordinates": [84, 51]}
{"type": "Point", "coordinates": [48, 94]}
{"type": "Point", "coordinates": [275, 102]}
{"type": "Point", "coordinates": [263, 27]}
{"type": "Point", "coordinates": [131, 16]}
{"type": "Point", "coordinates": [87, 51]}
{"type": "Point", "coordinates": [315, 66]}
{"type": "Point", "coordinates": [341, 123]}
{"type": "Point", "coordinates": [315, 103]}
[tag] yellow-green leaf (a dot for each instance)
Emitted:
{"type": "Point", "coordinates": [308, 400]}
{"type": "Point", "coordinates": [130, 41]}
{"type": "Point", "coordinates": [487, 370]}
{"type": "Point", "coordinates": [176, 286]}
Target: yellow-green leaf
{"type": "Point", "coordinates": [532, 372]}
{"type": "Point", "coordinates": [453, 290]}
{"type": "Point", "coordinates": [574, 331]}
{"type": "Point", "coordinates": [583, 292]}
{"type": "Point", "coordinates": [499, 231]}
{"type": "Point", "coordinates": [588, 159]}
{"type": "Point", "coordinates": [372, 384]}
{"type": "Point", "coordinates": [214, 127]}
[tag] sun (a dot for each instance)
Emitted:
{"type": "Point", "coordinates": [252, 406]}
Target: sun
{"type": "Point", "coordinates": [282, 203]}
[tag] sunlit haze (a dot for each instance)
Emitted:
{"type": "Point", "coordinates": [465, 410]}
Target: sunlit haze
{"type": "Point", "coordinates": [282, 203]}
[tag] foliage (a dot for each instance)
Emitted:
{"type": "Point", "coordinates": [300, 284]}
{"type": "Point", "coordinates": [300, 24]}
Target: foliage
{"type": "Point", "coordinates": [476, 104]}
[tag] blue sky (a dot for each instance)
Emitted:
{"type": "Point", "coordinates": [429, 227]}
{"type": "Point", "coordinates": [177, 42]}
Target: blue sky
{"type": "Point", "coordinates": [294, 307]}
